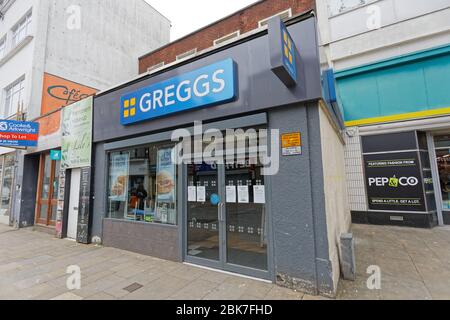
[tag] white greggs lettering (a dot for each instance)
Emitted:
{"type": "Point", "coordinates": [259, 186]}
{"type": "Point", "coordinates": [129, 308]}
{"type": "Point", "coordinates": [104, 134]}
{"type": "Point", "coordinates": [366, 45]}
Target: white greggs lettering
{"type": "Point", "coordinates": [201, 87]}
{"type": "Point", "coordinates": [207, 86]}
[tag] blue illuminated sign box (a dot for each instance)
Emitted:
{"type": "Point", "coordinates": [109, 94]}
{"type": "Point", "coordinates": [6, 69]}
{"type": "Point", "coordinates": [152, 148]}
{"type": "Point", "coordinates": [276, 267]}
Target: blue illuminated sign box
{"type": "Point", "coordinates": [18, 134]}
{"type": "Point", "coordinates": [288, 50]}
{"type": "Point", "coordinates": [203, 87]}
{"type": "Point", "coordinates": [283, 52]}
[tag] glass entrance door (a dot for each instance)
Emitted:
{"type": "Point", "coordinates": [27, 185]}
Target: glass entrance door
{"type": "Point", "coordinates": [47, 197]}
{"type": "Point", "coordinates": [227, 218]}
{"type": "Point", "coordinates": [203, 210]}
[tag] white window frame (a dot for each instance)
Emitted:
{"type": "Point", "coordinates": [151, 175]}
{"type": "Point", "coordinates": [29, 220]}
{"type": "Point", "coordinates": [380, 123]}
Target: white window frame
{"type": "Point", "coordinates": [14, 92]}
{"type": "Point", "coordinates": [21, 29]}
{"type": "Point", "coordinates": [281, 14]}
{"type": "Point", "coordinates": [3, 47]}
{"type": "Point", "coordinates": [227, 37]}
{"type": "Point", "coordinates": [186, 54]}
{"type": "Point", "coordinates": [156, 66]}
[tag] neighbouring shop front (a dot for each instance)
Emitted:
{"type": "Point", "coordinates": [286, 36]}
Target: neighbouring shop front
{"type": "Point", "coordinates": [275, 217]}
{"type": "Point", "coordinates": [45, 168]}
{"type": "Point", "coordinates": [398, 139]}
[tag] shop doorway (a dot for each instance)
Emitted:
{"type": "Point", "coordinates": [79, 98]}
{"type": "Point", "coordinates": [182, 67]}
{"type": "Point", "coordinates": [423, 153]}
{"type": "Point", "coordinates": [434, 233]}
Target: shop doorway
{"type": "Point", "coordinates": [440, 159]}
{"type": "Point", "coordinates": [47, 195]}
{"type": "Point", "coordinates": [226, 225]}
{"type": "Point", "coordinates": [72, 221]}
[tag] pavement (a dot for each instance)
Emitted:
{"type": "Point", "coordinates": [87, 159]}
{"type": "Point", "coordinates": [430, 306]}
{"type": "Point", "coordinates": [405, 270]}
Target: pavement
{"type": "Point", "coordinates": [414, 264]}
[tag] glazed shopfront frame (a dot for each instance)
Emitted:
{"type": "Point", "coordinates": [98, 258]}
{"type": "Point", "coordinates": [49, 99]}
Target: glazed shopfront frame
{"type": "Point", "coordinates": [228, 234]}
{"type": "Point", "coordinates": [287, 236]}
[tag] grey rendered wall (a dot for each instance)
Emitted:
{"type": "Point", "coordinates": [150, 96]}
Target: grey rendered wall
{"type": "Point", "coordinates": [105, 50]}
{"type": "Point", "coordinates": [301, 254]}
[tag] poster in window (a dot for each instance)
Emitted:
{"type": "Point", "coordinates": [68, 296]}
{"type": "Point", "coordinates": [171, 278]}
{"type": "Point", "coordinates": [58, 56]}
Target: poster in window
{"type": "Point", "coordinates": [76, 128]}
{"type": "Point", "coordinates": [231, 194]}
{"type": "Point", "coordinates": [201, 194]}
{"type": "Point", "coordinates": [259, 194]}
{"type": "Point", "coordinates": [394, 182]}
{"type": "Point", "coordinates": [119, 177]}
{"type": "Point", "coordinates": [166, 186]}
{"type": "Point", "coordinates": [243, 194]}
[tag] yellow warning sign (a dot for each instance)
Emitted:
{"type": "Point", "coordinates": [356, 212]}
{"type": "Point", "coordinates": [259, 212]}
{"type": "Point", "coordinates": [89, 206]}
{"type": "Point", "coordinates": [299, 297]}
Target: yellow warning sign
{"type": "Point", "coordinates": [291, 144]}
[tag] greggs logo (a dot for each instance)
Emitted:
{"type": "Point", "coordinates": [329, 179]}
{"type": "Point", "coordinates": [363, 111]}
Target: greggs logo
{"type": "Point", "coordinates": [203, 87]}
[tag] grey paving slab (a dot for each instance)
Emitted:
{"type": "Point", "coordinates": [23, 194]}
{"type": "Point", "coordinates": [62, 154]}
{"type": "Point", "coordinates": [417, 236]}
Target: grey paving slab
{"type": "Point", "coordinates": [414, 264]}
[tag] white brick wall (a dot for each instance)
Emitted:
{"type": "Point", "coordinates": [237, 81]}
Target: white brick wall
{"type": "Point", "coordinates": [355, 171]}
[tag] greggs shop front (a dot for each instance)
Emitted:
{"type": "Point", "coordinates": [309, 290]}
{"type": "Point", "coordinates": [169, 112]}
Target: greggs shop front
{"type": "Point", "coordinates": [232, 160]}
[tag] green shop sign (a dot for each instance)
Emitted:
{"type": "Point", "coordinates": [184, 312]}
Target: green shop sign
{"type": "Point", "coordinates": [76, 126]}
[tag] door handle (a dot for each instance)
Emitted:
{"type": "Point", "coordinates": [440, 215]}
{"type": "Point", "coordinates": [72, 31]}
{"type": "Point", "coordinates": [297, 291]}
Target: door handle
{"type": "Point", "coordinates": [221, 212]}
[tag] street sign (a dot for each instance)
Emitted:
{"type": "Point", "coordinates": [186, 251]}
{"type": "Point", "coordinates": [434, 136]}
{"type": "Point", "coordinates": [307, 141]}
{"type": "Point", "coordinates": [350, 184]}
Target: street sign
{"type": "Point", "coordinates": [55, 155]}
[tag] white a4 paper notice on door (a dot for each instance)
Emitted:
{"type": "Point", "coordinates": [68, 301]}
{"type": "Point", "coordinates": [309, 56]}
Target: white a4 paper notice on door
{"type": "Point", "coordinates": [192, 194]}
{"type": "Point", "coordinates": [231, 194]}
{"type": "Point", "coordinates": [243, 194]}
{"type": "Point", "coordinates": [259, 194]}
{"type": "Point", "coordinates": [201, 194]}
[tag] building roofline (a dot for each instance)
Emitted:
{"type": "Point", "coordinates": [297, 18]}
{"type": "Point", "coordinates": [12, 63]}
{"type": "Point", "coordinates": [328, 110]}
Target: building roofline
{"type": "Point", "coordinates": [159, 12]}
{"type": "Point", "coordinates": [207, 52]}
{"type": "Point", "coordinates": [202, 28]}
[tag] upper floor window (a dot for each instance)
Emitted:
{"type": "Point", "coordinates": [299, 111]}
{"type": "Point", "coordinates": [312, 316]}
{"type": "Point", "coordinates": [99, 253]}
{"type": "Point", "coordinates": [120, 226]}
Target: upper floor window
{"type": "Point", "coordinates": [339, 6]}
{"type": "Point", "coordinates": [14, 94]}
{"type": "Point", "coordinates": [2, 47]}
{"type": "Point", "coordinates": [21, 30]}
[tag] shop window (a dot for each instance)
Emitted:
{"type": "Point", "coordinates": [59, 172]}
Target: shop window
{"type": "Point", "coordinates": [142, 185]}
{"type": "Point", "coordinates": [48, 186]}
{"type": "Point", "coordinates": [442, 144]}
{"type": "Point", "coordinates": [7, 166]}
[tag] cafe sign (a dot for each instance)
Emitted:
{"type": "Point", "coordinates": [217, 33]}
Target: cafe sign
{"type": "Point", "coordinates": [76, 126]}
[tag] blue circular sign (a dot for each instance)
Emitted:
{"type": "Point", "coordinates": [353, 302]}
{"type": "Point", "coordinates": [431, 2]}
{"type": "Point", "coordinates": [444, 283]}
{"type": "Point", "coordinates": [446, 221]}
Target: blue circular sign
{"type": "Point", "coordinates": [215, 199]}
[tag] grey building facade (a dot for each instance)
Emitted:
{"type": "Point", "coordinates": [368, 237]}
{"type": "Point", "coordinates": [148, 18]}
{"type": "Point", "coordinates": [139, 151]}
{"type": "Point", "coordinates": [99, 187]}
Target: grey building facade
{"type": "Point", "coordinates": [283, 227]}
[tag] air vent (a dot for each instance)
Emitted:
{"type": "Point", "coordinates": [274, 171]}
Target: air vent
{"type": "Point", "coordinates": [227, 38]}
{"type": "Point", "coordinates": [283, 15]}
{"type": "Point", "coordinates": [155, 67]}
{"type": "Point", "coordinates": [187, 54]}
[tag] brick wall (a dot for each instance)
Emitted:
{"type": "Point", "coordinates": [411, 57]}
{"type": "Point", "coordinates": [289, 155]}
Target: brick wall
{"type": "Point", "coordinates": [245, 21]}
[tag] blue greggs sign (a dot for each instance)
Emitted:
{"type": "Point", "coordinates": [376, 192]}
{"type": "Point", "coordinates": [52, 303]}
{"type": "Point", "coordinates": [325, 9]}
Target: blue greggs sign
{"type": "Point", "coordinates": [289, 50]}
{"type": "Point", "coordinates": [283, 52]}
{"type": "Point", "coordinates": [203, 87]}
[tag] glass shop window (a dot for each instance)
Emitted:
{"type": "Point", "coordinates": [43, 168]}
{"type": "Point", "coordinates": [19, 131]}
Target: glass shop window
{"type": "Point", "coordinates": [442, 145]}
{"type": "Point", "coordinates": [143, 185]}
